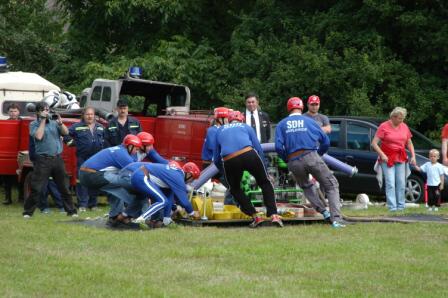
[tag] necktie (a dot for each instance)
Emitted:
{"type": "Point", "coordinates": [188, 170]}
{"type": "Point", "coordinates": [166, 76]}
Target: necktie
{"type": "Point", "coordinates": [252, 121]}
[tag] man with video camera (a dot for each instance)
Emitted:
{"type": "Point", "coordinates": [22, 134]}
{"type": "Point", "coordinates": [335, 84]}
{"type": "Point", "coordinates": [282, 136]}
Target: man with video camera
{"type": "Point", "coordinates": [46, 131]}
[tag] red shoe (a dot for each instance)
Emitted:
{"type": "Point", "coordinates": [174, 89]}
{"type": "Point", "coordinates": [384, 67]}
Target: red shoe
{"type": "Point", "coordinates": [257, 221]}
{"type": "Point", "coordinates": [276, 219]}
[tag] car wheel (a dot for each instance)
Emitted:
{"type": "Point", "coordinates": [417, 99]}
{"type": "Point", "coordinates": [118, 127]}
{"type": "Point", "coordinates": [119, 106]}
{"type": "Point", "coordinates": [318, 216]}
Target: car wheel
{"type": "Point", "coordinates": [414, 189]}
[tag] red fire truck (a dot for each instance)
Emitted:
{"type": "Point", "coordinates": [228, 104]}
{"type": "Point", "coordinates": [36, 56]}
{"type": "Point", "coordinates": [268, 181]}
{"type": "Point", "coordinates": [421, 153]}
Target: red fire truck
{"type": "Point", "coordinates": [163, 110]}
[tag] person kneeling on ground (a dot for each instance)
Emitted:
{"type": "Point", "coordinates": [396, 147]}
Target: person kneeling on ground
{"type": "Point", "coordinates": [101, 171]}
{"type": "Point", "coordinates": [161, 183]}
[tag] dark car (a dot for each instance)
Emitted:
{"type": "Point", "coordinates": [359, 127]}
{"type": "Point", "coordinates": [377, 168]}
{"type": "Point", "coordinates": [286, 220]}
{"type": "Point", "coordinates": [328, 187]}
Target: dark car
{"type": "Point", "coordinates": [350, 143]}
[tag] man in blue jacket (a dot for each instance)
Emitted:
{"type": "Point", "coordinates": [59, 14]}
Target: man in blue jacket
{"type": "Point", "coordinates": [300, 141]}
{"type": "Point", "coordinates": [121, 125]}
{"type": "Point", "coordinates": [88, 138]}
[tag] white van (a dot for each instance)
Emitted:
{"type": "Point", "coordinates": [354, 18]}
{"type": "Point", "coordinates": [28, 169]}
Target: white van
{"type": "Point", "coordinates": [22, 88]}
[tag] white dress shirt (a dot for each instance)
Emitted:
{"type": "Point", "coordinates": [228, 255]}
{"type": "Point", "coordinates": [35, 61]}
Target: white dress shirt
{"type": "Point", "coordinates": [257, 122]}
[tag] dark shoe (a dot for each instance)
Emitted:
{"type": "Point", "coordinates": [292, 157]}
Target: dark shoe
{"type": "Point", "coordinates": [156, 224]}
{"type": "Point", "coordinates": [256, 222]}
{"type": "Point", "coordinates": [114, 223]}
{"type": "Point", "coordinates": [72, 213]}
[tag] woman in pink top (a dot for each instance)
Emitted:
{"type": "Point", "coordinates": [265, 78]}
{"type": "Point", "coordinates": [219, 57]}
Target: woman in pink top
{"type": "Point", "coordinates": [394, 136]}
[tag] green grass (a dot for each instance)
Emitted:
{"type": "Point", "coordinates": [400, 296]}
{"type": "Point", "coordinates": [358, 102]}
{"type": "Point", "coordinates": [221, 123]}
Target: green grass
{"type": "Point", "coordinates": [47, 257]}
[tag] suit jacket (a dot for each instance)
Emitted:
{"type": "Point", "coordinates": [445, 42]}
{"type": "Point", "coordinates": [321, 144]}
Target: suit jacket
{"type": "Point", "coordinates": [265, 126]}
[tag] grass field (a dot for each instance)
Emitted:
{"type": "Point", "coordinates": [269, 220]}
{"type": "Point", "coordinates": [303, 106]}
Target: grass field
{"type": "Point", "coordinates": [48, 257]}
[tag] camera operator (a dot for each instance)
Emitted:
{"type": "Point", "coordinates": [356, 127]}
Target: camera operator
{"type": "Point", "coordinates": [48, 162]}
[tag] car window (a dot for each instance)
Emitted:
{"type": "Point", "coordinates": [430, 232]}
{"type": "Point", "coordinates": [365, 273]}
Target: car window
{"type": "Point", "coordinates": [107, 94]}
{"type": "Point", "coordinates": [421, 142]}
{"type": "Point", "coordinates": [335, 134]}
{"type": "Point", "coordinates": [358, 137]}
{"type": "Point", "coordinates": [96, 94]}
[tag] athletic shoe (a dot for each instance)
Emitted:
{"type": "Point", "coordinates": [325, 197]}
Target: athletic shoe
{"type": "Point", "coordinates": [139, 220]}
{"type": "Point", "coordinates": [337, 225]}
{"type": "Point", "coordinates": [435, 209]}
{"type": "Point", "coordinates": [45, 211]}
{"type": "Point", "coordinates": [74, 215]}
{"type": "Point", "coordinates": [167, 221]}
{"type": "Point", "coordinates": [256, 222]}
{"type": "Point", "coordinates": [142, 223]}
{"type": "Point", "coordinates": [26, 216]}
{"type": "Point", "coordinates": [94, 208]}
{"type": "Point", "coordinates": [276, 219]}
{"type": "Point", "coordinates": [82, 209]}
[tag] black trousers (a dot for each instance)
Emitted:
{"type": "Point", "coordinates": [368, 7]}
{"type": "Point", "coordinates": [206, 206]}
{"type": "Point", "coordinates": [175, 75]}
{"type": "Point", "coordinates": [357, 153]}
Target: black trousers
{"type": "Point", "coordinates": [434, 196]}
{"type": "Point", "coordinates": [233, 170]}
{"type": "Point", "coordinates": [44, 167]}
{"type": "Point", "coordinates": [9, 181]}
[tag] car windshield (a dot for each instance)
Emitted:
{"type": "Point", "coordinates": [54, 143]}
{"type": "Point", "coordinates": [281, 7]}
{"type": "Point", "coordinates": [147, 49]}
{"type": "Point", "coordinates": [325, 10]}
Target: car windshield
{"type": "Point", "coordinates": [421, 142]}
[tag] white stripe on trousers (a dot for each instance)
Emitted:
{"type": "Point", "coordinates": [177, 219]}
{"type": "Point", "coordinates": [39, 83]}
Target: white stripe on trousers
{"type": "Point", "coordinates": [156, 206]}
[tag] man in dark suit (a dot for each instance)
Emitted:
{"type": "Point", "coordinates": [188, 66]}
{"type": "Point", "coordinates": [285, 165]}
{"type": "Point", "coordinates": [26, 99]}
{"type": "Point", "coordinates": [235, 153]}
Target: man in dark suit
{"type": "Point", "coordinates": [257, 119]}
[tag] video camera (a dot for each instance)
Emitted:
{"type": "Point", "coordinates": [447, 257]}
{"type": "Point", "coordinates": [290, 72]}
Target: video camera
{"type": "Point", "coordinates": [32, 108]}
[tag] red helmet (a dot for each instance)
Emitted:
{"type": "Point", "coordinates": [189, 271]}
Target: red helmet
{"type": "Point", "coordinates": [132, 140]}
{"type": "Point", "coordinates": [192, 168]}
{"type": "Point", "coordinates": [294, 103]}
{"type": "Point", "coordinates": [313, 99]}
{"type": "Point", "coordinates": [146, 138]}
{"type": "Point", "coordinates": [173, 163]}
{"type": "Point", "coordinates": [221, 112]}
{"type": "Point", "coordinates": [236, 115]}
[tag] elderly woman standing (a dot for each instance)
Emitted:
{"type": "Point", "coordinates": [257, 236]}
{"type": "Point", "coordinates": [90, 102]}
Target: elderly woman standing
{"type": "Point", "coordinates": [394, 136]}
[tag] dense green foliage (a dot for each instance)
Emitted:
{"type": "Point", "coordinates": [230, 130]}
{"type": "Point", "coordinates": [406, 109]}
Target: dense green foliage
{"type": "Point", "coordinates": [360, 57]}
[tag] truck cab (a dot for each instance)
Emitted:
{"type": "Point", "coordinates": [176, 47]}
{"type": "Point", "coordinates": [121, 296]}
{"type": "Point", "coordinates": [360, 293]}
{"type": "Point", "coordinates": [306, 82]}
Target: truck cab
{"type": "Point", "coordinates": [163, 110]}
{"type": "Point", "coordinates": [150, 97]}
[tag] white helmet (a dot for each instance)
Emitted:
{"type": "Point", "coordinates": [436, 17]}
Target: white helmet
{"type": "Point", "coordinates": [68, 100]}
{"type": "Point", "coordinates": [52, 98]}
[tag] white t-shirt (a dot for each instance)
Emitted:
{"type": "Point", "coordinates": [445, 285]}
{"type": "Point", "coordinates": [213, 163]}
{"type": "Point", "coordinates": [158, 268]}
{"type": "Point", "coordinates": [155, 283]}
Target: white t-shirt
{"type": "Point", "coordinates": [433, 172]}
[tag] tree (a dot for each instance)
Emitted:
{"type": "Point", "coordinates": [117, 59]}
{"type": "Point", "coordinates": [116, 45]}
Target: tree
{"type": "Point", "coordinates": [31, 34]}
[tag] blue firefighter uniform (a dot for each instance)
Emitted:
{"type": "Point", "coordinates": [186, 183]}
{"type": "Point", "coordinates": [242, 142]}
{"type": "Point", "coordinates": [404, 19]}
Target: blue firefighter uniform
{"type": "Point", "coordinates": [297, 132]}
{"type": "Point", "coordinates": [101, 172]}
{"type": "Point", "coordinates": [233, 137]}
{"type": "Point", "coordinates": [209, 144]}
{"type": "Point", "coordinates": [87, 142]}
{"type": "Point", "coordinates": [238, 148]}
{"type": "Point", "coordinates": [152, 156]}
{"type": "Point", "coordinates": [300, 141]}
{"type": "Point", "coordinates": [163, 183]}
